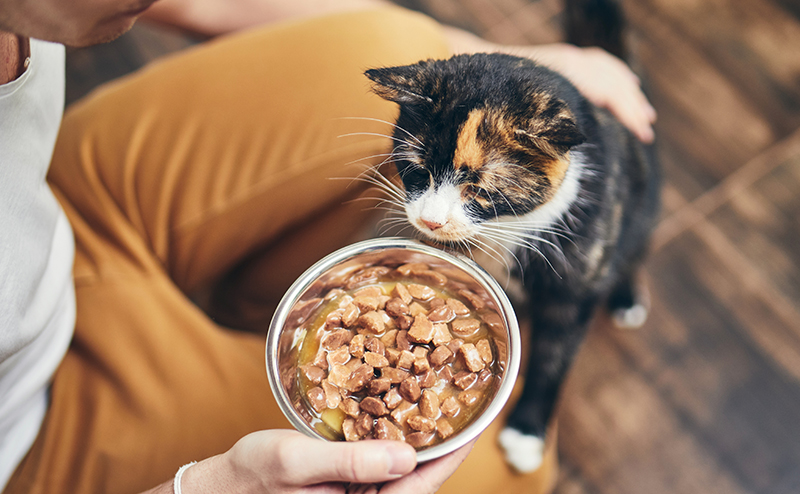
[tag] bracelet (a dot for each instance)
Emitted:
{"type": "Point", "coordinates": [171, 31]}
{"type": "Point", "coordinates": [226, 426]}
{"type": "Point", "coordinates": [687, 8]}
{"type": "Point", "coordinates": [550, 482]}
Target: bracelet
{"type": "Point", "coordinates": [176, 484]}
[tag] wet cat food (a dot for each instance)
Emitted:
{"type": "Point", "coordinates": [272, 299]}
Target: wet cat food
{"type": "Point", "coordinates": [399, 353]}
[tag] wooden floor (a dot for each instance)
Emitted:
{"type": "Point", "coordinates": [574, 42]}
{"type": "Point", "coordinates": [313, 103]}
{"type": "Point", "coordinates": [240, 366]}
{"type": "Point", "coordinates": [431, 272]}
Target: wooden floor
{"type": "Point", "coordinates": [705, 398]}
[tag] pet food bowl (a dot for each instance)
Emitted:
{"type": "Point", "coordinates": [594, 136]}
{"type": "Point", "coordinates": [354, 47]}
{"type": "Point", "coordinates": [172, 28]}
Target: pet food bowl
{"type": "Point", "coordinates": [287, 328]}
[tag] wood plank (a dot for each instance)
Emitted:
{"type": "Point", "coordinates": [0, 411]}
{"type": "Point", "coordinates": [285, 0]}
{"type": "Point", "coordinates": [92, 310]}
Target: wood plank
{"type": "Point", "coordinates": [691, 403]}
{"type": "Point", "coordinates": [750, 44]}
{"type": "Point", "coordinates": [449, 12]}
{"type": "Point", "coordinates": [763, 224]}
{"type": "Point", "coordinates": [531, 23]}
{"type": "Point", "coordinates": [680, 217]}
{"type": "Point", "coordinates": [701, 113]}
{"type": "Point", "coordinates": [623, 433]}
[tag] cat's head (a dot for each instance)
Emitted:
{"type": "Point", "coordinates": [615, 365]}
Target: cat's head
{"type": "Point", "coordinates": [479, 137]}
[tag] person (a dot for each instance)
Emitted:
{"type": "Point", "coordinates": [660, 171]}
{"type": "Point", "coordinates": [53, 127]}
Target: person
{"type": "Point", "coordinates": [204, 173]}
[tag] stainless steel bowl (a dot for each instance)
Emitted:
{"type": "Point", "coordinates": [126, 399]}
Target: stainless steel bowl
{"type": "Point", "coordinates": [286, 330]}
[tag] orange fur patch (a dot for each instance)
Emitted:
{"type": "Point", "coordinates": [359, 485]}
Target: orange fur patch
{"type": "Point", "coordinates": [470, 152]}
{"type": "Point", "coordinates": [494, 144]}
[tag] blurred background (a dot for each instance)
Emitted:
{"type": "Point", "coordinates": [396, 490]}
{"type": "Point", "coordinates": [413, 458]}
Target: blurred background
{"type": "Point", "coordinates": [706, 397]}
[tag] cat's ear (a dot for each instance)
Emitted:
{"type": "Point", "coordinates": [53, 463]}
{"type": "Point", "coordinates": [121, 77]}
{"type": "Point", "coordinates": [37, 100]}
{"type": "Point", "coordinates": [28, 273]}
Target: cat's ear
{"type": "Point", "coordinates": [553, 131]}
{"type": "Point", "coordinates": [398, 84]}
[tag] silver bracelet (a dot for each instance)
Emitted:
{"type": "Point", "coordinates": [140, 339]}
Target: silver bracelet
{"type": "Point", "coordinates": [176, 484]}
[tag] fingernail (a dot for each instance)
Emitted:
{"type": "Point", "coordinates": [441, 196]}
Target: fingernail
{"type": "Point", "coordinates": [401, 460]}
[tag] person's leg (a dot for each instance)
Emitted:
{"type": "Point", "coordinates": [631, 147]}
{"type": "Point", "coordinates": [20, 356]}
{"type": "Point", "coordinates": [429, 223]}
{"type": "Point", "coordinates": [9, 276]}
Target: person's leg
{"type": "Point", "coordinates": [209, 154]}
{"type": "Point", "coordinates": [169, 177]}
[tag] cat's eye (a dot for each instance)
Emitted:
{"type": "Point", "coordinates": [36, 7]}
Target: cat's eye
{"type": "Point", "coordinates": [414, 172]}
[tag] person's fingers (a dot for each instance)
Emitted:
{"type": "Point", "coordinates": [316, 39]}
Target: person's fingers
{"type": "Point", "coordinates": [630, 106]}
{"type": "Point", "coordinates": [428, 477]}
{"type": "Point", "coordinates": [636, 121]}
{"type": "Point", "coordinates": [633, 114]}
{"type": "Point", "coordinates": [652, 115]}
{"type": "Point", "coordinates": [303, 461]}
{"type": "Point", "coordinates": [644, 116]}
{"type": "Point", "coordinates": [619, 90]}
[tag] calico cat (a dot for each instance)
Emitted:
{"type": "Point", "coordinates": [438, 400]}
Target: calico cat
{"type": "Point", "coordinates": [501, 155]}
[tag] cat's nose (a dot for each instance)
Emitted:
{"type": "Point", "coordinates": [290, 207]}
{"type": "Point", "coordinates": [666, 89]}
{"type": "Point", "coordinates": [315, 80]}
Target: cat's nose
{"type": "Point", "coordinates": [432, 225]}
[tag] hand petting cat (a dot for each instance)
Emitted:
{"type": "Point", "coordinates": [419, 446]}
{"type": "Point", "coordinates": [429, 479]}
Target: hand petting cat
{"type": "Point", "coordinates": [604, 79]}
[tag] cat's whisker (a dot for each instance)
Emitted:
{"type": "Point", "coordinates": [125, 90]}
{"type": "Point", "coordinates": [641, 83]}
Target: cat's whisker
{"type": "Point", "coordinates": [383, 184]}
{"type": "Point", "coordinates": [400, 232]}
{"type": "Point", "coordinates": [499, 257]}
{"type": "Point", "coordinates": [392, 221]}
{"type": "Point", "coordinates": [523, 229]}
{"type": "Point", "coordinates": [411, 165]}
{"type": "Point", "coordinates": [409, 134]}
{"type": "Point", "coordinates": [396, 222]}
{"type": "Point", "coordinates": [369, 170]}
{"type": "Point", "coordinates": [513, 239]}
{"type": "Point", "coordinates": [396, 205]}
{"type": "Point", "coordinates": [527, 240]}
{"type": "Point", "coordinates": [383, 228]}
{"type": "Point", "coordinates": [485, 246]}
{"type": "Point", "coordinates": [500, 193]}
{"type": "Point", "coordinates": [380, 203]}
{"type": "Point", "coordinates": [395, 189]}
{"type": "Point", "coordinates": [526, 232]}
{"type": "Point", "coordinates": [390, 158]}
{"type": "Point", "coordinates": [378, 134]}
{"type": "Point", "coordinates": [522, 225]}
{"type": "Point", "coordinates": [390, 205]}
{"type": "Point", "coordinates": [388, 193]}
{"type": "Point", "coordinates": [494, 206]}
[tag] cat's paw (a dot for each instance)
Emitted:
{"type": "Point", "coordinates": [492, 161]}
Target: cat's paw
{"type": "Point", "coordinates": [631, 311]}
{"type": "Point", "coordinates": [630, 317]}
{"type": "Point", "coordinates": [523, 452]}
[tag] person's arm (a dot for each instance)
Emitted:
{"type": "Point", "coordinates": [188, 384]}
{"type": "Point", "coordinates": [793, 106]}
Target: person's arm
{"type": "Point", "coordinates": [215, 17]}
{"type": "Point", "coordinates": [287, 462]}
{"type": "Point", "coordinates": [14, 51]}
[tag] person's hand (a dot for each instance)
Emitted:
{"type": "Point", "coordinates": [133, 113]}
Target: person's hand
{"type": "Point", "coordinates": [602, 78]}
{"type": "Point", "coordinates": [287, 462]}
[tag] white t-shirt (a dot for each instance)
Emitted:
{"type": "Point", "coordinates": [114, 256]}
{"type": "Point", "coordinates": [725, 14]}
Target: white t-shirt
{"type": "Point", "coordinates": [37, 296]}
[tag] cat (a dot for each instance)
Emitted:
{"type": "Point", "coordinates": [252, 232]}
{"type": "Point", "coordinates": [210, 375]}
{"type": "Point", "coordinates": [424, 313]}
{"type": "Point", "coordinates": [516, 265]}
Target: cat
{"type": "Point", "coordinates": [500, 155]}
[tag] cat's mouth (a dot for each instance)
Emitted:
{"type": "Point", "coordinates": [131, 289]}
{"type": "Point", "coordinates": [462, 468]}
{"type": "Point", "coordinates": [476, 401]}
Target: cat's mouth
{"type": "Point", "coordinates": [447, 233]}
{"type": "Point", "coordinates": [439, 215]}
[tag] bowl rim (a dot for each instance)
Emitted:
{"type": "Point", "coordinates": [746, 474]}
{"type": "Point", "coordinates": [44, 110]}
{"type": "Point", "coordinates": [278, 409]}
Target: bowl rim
{"type": "Point", "coordinates": [305, 280]}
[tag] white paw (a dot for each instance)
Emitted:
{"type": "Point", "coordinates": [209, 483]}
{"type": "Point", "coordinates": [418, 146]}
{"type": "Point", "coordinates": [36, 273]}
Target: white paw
{"type": "Point", "coordinates": [631, 318]}
{"type": "Point", "coordinates": [523, 452]}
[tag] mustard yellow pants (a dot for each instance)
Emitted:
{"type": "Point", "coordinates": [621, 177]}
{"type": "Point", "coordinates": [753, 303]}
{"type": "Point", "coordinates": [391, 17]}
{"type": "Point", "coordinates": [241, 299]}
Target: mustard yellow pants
{"type": "Point", "coordinates": [228, 166]}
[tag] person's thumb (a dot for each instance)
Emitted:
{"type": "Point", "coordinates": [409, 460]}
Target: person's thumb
{"type": "Point", "coordinates": [312, 461]}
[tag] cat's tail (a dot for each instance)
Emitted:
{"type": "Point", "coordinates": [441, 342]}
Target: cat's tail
{"type": "Point", "coordinates": [596, 23]}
